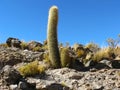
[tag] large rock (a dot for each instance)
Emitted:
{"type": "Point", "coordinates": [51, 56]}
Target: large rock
{"type": "Point", "coordinates": [115, 64]}
{"type": "Point", "coordinates": [25, 86]}
{"type": "Point", "coordinates": [90, 63]}
{"type": "Point", "coordinates": [10, 75]}
{"type": "Point", "coordinates": [33, 44]}
{"type": "Point", "coordinates": [31, 56]}
{"type": "Point", "coordinates": [13, 42]}
{"type": "Point", "coordinates": [10, 57]}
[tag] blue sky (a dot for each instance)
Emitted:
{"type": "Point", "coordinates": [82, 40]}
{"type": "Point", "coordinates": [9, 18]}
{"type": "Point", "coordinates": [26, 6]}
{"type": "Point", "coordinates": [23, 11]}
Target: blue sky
{"type": "Point", "coordinates": [80, 21]}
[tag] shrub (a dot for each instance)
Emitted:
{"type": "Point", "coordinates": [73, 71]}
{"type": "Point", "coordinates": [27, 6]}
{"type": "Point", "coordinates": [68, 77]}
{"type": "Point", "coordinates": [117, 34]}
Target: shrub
{"type": "Point", "coordinates": [117, 51]}
{"type": "Point", "coordinates": [24, 45]}
{"type": "Point", "coordinates": [38, 48]}
{"type": "Point", "coordinates": [77, 46]}
{"type": "Point", "coordinates": [80, 53]}
{"type": "Point", "coordinates": [93, 47]}
{"type": "Point", "coordinates": [104, 53]}
{"type": "Point", "coordinates": [41, 69]}
{"type": "Point", "coordinates": [45, 47]}
{"type": "Point", "coordinates": [4, 45]}
{"type": "Point", "coordinates": [113, 42]}
{"type": "Point", "coordinates": [31, 69]}
{"type": "Point", "coordinates": [46, 59]}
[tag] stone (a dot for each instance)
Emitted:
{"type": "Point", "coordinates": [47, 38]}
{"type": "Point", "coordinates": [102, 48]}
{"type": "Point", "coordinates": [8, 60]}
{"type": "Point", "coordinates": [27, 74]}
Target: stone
{"type": "Point", "coordinates": [56, 86]}
{"type": "Point", "coordinates": [13, 87]}
{"type": "Point", "coordinates": [10, 75]}
{"type": "Point", "coordinates": [13, 42]}
{"type": "Point", "coordinates": [115, 64]}
{"type": "Point", "coordinates": [106, 62]}
{"type": "Point", "coordinates": [10, 57]}
{"type": "Point", "coordinates": [33, 44]}
{"type": "Point", "coordinates": [90, 63]}
{"type": "Point", "coordinates": [25, 86]}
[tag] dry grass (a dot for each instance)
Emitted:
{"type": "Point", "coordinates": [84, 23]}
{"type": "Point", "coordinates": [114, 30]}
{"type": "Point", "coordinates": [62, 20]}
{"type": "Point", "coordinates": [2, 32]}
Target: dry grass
{"type": "Point", "coordinates": [24, 45]}
{"type": "Point", "coordinates": [31, 69]}
{"type": "Point", "coordinates": [80, 53]}
{"type": "Point", "coordinates": [93, 47]}
{"type": "Point", "coordinates": [117, 51]}
{"type": "Point", "coordinates": [104, 53]}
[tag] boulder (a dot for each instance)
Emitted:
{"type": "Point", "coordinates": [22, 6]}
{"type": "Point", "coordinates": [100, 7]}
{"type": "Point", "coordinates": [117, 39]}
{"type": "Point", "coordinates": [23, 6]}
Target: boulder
{"type": "Point", "coordinates": [10, 57]}
{"type": "Point", "coordinates": [13, 42]}
{"type": "Point", "coordinates": [106, 62]}
{"type": "Point", "coordinates": [33, 44]}
{"type": "Point", "coordinates": [115, 64]}
{"type": "Point", "coordinates": [10, 75]}
{"type": "Point", "coordinates": [25, 86]}
{"type": "Point", "coordinates": [90, 63]}
{"type": "Point", "coordinates": [56, 86]}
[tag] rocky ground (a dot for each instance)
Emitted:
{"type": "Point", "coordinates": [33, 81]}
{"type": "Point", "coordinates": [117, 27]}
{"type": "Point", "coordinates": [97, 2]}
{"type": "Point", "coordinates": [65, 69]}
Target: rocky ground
{"type": "Point", "coordinates": [104, 75]}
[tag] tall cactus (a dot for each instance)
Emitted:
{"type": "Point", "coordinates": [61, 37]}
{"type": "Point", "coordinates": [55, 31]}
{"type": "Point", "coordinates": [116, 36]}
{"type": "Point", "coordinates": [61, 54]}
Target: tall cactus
{"type": "Point", "coordinates": [52, 37]}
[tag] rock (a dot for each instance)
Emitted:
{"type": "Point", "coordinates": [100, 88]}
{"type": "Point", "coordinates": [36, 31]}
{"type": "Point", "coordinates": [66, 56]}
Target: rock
{"type": "Point", "coordinates": [115, 64]}
{"type": "Point", "coordinates": [13, 42]}
{"type": "Point", "coordinates": [10, 75]}
{"type": "Point", "coordinates": [117, 57]}
{"type": "Point", "coordinates": [31, 56]}
{"type": "Point", "coordinates": [90, 63]}
{"type": "Point", "coordinates": [22, 85]}
{"type": "Point", "coordinates": [78, 65]}
{"type": "Point", "coordinates": [95, 76]}
{"type": "Point", "coordinates": [55, 86]}
{"type": "Point", "coordinates": [13, 56]}
{"type": "Point", "coordinates": [76, 76]}
{"type": "Point", "coordinates": [13, 87]}
{"type": "Point", "coordinates": [89, 56]}
{"type": "Point", "coordinates": [101, 66]}
{"type": "Point", "coordinates": [10, 57]}
{"type": "Point", "coordinates": [25, 86]}
{"type": "Point", "coordinates": [33, 44]}
{"type": "Point", "coordinates": [106, 62]}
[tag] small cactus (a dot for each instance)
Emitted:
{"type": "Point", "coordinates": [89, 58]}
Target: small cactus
{"type": "Point", "coordinates": [52, 37]}
{"type": "Point", "coordinates": [65, 57]}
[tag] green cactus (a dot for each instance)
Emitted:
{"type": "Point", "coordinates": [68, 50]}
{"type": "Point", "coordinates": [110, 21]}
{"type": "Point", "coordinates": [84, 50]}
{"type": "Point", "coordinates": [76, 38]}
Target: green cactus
{"type": "Point", "coordinates": [52, 37]}
{"type": "Point", "coordinates": [65, 57]}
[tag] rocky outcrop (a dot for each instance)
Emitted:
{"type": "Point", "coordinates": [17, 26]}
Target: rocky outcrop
{"type": "Point", "coordinates": [10, 75]}
{"type": "Point", "coordinates": [12, 56]}
{"type": "Point", "coordinates": [70, 79]}
{"type": "Point", "coordinates": [33, 44]}
{"type": "Point", "coordinates": [92, 75]}
{"type": "Point", "coordinates": [13, 42]}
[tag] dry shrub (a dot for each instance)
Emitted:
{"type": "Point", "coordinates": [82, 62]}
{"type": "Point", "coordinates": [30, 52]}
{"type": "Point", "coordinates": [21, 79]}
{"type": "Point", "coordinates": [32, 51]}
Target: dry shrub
{"type": "Point", "coordinates": [80, 53]}
{"type": "Point", "coordinates": [46, 59]}
{"type": "Point", "coordinates": [24, 45]}
{"type": "Point", "coordinates": [4, 45]}
{"type": "Point", "coordinates": [104, 53]}
{"type": "Point", "coordinates": [32, 68]}
{"type": "Point", "coordinates": [117, 51]}
{"type": "Point", "coordinates": [93, 46]}
{"type": "Point", "coordinates": [38, 48]}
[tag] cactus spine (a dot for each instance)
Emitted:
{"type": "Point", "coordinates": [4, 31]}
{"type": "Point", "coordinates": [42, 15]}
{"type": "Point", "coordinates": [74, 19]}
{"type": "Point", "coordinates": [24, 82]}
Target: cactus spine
{"type": "Point", "coordinates": [52, 37]}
